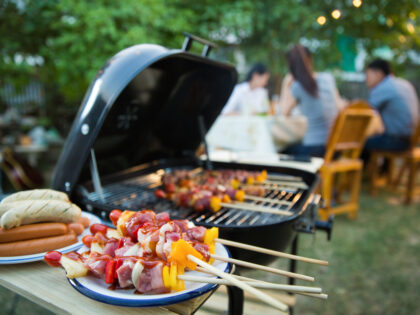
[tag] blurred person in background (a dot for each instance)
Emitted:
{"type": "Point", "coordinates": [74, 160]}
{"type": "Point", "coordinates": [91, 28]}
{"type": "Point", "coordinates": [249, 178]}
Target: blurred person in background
{"type": "Point", "coordinates": [250, 96]}
{"type": "Point", "coordinates": [396, 101]}
{"type": "Point", "coordinates": [315, 95]}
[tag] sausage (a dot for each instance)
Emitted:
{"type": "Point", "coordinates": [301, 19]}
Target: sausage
{"type": "Point", "coordinates": [36, 194]}
{"type": "Point", "coordinates": [32, 231]}
{"type": "Point", "coordinates": [76, 228]}
{"type": "Point", "coordinates": [34, 211]}
{"type": "Point", "coordinates": [84, 221]}
{"type": "Point", "coordinates": [38, 245]}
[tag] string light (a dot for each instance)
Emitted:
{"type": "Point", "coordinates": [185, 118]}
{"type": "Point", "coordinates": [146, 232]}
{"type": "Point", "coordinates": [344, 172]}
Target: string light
{"type": "Point", "coordinates": [357, 3]}
{"type": "Point", "coordinates": [336, 14]}
{"type": "Point", "coordinates": [321, 20]}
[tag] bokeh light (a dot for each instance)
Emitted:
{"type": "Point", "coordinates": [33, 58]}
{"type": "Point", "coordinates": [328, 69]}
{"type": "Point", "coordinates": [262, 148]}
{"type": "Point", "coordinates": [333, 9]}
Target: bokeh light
{"type": "Point", "coordinates": [336, 14]}
{"type": "Point", "coordinates": [321, 20]}
{"type": "Point", "coordinates": [357, 3]}
{"type": "Point", "coordinates": [410, 28]}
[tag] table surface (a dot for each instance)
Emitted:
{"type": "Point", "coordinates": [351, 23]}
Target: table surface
{"type": "Point", "coordinates": [49, 288]}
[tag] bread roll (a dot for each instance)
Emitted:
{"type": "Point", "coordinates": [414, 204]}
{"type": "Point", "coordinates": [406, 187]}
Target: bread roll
{"type": "Point", "coordinates": [34, 211]}
{"type": "Point", "coordinates": [36, 194]}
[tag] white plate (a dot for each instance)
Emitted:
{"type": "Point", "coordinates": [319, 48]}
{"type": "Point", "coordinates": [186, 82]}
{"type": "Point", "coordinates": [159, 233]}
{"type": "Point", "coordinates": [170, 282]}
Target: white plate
{"type": "Point", "coordinates": [40, 256]}
{"type": "Point", "coordinates": [97, 289]}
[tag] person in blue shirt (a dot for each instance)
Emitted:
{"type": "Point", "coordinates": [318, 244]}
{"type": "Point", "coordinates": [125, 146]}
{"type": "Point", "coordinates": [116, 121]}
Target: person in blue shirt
{"type": "Point", "coordinates": [396, 101]}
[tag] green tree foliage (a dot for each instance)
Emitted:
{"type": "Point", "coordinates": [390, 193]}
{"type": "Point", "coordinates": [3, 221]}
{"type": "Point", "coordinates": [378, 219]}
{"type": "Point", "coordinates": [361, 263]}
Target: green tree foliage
{"type": "Point", "coordinates": [63, 43]}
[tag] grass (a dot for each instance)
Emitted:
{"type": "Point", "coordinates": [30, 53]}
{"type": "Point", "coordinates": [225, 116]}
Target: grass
{"type": "Point", "coordinates": [374, 261]}
{"type": "Point", "coordinates": [374, 264]}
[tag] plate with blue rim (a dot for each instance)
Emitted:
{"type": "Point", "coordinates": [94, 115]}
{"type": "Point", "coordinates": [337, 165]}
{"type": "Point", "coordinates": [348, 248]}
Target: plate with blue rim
{"type": "Point", "coordinates": [98, 290]}
{"type": "Point", "coordinates": [11, 260]}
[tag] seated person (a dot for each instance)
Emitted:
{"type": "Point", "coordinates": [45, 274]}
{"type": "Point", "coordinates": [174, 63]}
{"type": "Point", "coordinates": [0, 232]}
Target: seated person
{"type": "Point", "coordinates": [396, 101]}
{"type": "Point", "coordinates": [250, 97]}
{"type": "Point", "coordinates": [316, 96]}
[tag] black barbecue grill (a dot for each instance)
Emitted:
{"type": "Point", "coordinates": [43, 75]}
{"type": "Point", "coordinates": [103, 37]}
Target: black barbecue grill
{"type": "Point", "coordinates": [145, 114]}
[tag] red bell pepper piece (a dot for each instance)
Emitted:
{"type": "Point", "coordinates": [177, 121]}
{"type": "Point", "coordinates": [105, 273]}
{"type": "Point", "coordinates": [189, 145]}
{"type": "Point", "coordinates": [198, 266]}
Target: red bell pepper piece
{"type": "Point", "coordinates": [109, 271]}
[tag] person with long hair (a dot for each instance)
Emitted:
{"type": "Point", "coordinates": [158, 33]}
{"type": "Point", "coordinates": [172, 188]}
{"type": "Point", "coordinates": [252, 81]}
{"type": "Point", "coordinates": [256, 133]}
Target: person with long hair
{"type": "Point", "coordinates": [250, 96]}
{"type": "Point", "coordinates": [315, 95]}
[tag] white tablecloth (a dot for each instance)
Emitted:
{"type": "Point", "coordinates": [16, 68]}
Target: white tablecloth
{"type": "Point", "coordinates": [258, 134]}
{"type": "Point", "coordinates": [270, 159]}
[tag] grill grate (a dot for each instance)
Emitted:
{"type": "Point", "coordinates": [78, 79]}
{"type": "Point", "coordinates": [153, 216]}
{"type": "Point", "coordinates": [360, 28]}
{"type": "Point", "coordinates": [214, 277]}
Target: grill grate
{"type": "Point", "coordinates": [137, 193]}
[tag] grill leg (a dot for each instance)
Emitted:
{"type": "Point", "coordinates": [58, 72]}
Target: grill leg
{"type": "Point", "coordinates": [236, 300]}
{"type": "Point", "coordinates": [292, 266]}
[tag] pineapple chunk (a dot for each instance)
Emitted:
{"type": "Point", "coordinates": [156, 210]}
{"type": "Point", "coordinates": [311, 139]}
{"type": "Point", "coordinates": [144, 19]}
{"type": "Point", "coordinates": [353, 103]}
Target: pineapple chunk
{"type": "Point", "coordinates": [73, 268]}
{"type": "Point", "coordinates": [113, 233]}
{"type": "Point", "coordinates": [96, 248]}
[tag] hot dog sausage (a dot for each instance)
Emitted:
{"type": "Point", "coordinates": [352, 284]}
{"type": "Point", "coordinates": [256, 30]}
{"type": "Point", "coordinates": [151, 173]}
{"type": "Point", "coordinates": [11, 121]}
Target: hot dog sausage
{"type": "Point", "coordinates": [38, 245]}
{"type": "Point", "coordinates": [76, 228]}
{"type": "Point", "coordinates": [32, 231]}
{"type": "Point", "coordinates": [33, 211]}
{"type": "Point", "coordinates": [85, 221]}
{"type": "Point", "coordinates": [36, 194]}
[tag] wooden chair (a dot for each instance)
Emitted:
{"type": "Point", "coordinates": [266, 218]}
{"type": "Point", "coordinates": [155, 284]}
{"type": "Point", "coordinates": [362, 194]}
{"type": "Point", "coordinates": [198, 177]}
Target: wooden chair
{"type": "Point", "coordinates": [411, 161]}
{"type": "Point", "coordinates": [342, 162]}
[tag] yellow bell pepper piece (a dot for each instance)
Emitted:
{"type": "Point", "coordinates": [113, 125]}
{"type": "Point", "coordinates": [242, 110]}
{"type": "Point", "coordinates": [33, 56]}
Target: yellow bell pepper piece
{"type": "Point", "coordinates": [179, 252]}
{"type": "Point", "coordinates": [165, 276]}
{"type": "Point", "coordinates": [180, 285]}
{"type": "Point", "coordinates": [264, 174]}
{"type": "Point", "coordinates": [212, 248]}
{"type": "Point", "coordinates": [211, 235]}
{"type": "Point", "coordinates": [226, 198]}
{"type": "Point", "coordinates": [259, 179]}
{"type": "Point", "coordinates": [250, 180]}
{"type": "Point", "coordinates": [235, 183]}
{"type": "Point", "coordinates": [173, 276]}
{"type": "Point", "coordinates": [240, 195]}
{"type": "Point", "coordinates": [215, 203]}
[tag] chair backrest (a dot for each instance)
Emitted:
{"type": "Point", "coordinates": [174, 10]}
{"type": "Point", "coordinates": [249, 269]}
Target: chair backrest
{"type": "Point", "coordinates": [349, 131]}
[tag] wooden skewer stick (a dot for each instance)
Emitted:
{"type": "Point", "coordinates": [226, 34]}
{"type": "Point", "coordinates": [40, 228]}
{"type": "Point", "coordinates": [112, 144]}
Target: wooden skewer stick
{"type": "Point", "coordinates": [255, 284]}
{"type": "Point", "coordinates": [271, 252]}
{"type": "Point", "coordinates": [252, 281]}
{"type": "Point", "coordinates": [250, 207]}
{"type": "Point", "coordinates": [257, 293]}
{"type": "Point", "coordinates": [322, 296]}
{"type": "Point", "coordinates": [268, 200]}
{"type": "Point", "coordinates": [264, 268]}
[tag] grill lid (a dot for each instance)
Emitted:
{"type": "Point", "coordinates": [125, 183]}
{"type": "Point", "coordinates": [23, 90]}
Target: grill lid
{"type": "Point", "coordinates": [143, 105]}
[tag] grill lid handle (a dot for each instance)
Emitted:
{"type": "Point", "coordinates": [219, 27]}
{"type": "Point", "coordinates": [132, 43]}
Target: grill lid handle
{"type": "Point", "coordinates": [189, 38]}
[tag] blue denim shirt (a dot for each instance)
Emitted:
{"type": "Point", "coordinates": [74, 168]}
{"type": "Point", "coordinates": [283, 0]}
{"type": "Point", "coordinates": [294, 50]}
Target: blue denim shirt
{"type": "Point", "coordinates": [393, 106]}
